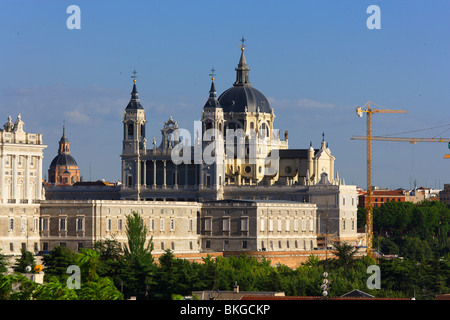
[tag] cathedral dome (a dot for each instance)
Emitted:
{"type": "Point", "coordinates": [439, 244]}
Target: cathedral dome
{"type": "Point", "coordinates": [244, 99]}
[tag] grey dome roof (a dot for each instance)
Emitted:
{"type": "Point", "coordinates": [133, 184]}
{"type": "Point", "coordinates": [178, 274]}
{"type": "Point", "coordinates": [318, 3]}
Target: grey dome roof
{"type": "Point", "coordinates": [242, 96]}
{"type": "Point", "coordinates": [238, 98]}
{"type": "Point", "coordinates": [63, 159]}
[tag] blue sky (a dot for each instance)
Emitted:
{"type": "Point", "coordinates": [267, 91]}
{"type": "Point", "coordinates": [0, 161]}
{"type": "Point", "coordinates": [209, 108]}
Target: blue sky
{"type": "Point", "coordinates": [316, 61]}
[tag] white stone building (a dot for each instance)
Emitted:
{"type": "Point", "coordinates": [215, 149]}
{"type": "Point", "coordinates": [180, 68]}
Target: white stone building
{"type": "Point", "coordinates": [21, 190]}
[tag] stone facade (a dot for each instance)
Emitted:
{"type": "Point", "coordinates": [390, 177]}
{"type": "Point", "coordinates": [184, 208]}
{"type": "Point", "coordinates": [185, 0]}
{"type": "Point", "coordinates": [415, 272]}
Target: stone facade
{"type": "Point", "coordinates": [79, 223]}
{"type": "Point", "coordinates": [258, 225]}
{"type": "Point", "coordinates": [21, 190]}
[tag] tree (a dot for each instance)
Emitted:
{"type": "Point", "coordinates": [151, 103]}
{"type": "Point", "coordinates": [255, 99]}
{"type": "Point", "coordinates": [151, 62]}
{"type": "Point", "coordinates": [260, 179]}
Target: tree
{"type": "Point", "coordinates": [88, 260]}
{"type": "Point", "coordinates": [54, 289]}
{"type": "Point", "coordinates": [23, 287]}
{"type": "Point", "coordinates": [3, 263]}
{"type": "Point", "coordinates": [137, 277]}
{"type": "Point", "coordinates": [416, 249]}
{"type": "Point", "coordinates": [57, 262]}
{"type": "Point", "coordinates": [136, 232]}
{"type": "Point", "coordinates": [344, 253]}
{"type": "Point", "coordinates": [26, 259]}
{"type": "Point", "coordinates": [111, 261]}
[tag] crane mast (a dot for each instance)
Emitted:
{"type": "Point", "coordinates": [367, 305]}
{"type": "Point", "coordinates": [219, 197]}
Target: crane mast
{"type": "Point", "coordinates": [369, 211]}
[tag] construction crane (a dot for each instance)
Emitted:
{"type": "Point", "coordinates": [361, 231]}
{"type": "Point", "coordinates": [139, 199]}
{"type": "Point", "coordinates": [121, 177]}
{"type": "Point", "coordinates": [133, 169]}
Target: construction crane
{"type": "Point", "coordinates": [410, 140]}
{"type": "Point", "coordinates": [369, 211]}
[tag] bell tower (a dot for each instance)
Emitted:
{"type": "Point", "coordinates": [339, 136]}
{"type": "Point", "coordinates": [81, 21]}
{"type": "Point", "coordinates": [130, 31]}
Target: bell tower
{"type": "Point", "coordinates": [134, 143]}
{"type": "Point", "coordinates": [213, 165]}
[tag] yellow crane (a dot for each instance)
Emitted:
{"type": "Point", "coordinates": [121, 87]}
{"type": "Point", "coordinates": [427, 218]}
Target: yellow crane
{"type": "Point", "coordinates": [410, 140]}
{"type": "Point", "coordinates": [369, 211]}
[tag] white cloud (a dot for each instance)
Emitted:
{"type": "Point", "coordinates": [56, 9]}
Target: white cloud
{"type": "Point", "coordinates": [299, 103]}
{"type": "Point", "coordinates": [78, 117]}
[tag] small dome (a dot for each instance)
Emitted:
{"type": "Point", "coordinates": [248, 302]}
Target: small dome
{"type": "Point", "coordinates": [244, 98]}
{"type": "Point", "coordinates": [63, 160]}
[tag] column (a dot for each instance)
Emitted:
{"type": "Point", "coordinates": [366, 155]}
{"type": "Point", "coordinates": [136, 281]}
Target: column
{"type": "Point", "coordinates": [39, 177]}
{"type": "Point", "coordinates": [176, 177]}
{"type": "Point", "coordinates": [26, 180]}
{"type": "Point", "coordinates": [14, 177]}
{"type": "Point", "coordinates": [144, 180]}
{"type": "Point", "coordinates": [165, 173]}
{"type": "Point", "coordinates": [2, 179]}
{"type": "Point", "coordinates": [154, 173]}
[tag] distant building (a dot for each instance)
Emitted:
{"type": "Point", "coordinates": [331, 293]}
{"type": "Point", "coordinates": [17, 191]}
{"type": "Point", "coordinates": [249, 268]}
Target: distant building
{"type": "Point", "coordinates": [84, 190]}
{"type": "Point", "coordinates": [444, 195]}
{"type": "Point", "coordinates": [422, 194]}
{"type": "Point", "coordinates": [380, 197]}
{"type": "Point", "coordinates": [63, 169]}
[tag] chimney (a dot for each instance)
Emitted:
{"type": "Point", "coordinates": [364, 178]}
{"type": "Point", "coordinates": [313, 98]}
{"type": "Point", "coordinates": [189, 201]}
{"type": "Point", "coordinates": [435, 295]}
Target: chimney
{"type": "Point", "coordinates": [236, 287]}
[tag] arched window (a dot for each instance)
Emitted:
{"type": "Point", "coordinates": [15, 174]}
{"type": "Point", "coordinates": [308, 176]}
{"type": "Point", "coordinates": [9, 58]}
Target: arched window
{"type": "Point", "coordinates": [264, 130]}
{"type": "Point", "coordinates": [130, 129]}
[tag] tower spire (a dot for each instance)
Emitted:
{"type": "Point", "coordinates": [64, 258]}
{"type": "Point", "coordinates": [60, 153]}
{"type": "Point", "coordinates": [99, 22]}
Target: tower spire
{"type": "Point", "coordinates": [212, 91]}
{"type": "Point", "coordinates": [242, 69]}
{"type": "Point", "coordinates": [212, 100]}
{"type": "Point", "coordinates": [134, 101]}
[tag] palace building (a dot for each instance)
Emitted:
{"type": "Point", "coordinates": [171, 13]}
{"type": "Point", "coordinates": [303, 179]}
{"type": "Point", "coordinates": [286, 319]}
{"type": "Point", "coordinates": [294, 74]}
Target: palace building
{"type": "Point", "coordinates": [21, 191]}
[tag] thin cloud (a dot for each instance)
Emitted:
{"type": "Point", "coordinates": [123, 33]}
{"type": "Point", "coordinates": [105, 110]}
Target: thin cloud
{"type": "Point", "coordinates": [299, 103]}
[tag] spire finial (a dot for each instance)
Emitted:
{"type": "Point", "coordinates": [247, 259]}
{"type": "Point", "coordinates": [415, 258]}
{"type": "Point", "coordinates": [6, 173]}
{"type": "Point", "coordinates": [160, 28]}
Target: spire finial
{"type": "Point", "coordinates": [134, 76]}
{"type": "Point", "coordinates": [242, 69]}
{"type": "Point", "coordinates": [243, 45]}
{"type": "Point", "coordinates": [323, 136]}
{"type": "Point", "coordinates": [212, 74]}
{"type": "Point", "coordinates": [64, 128]}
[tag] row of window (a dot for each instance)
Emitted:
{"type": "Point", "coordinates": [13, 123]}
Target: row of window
{"type": "Point", "coordinates": [344, 225]}
{"type": "Point", "coordinates": [153, 222]}
{"type": "Point", "coordinates": [24, 224]}
{"type": "Point", "coordinates": [20, 161]}
{"type": "Point", "coordinates": [120, 211]}
{"type": "Point", "coordinates": [273, 245]}
{"type": "Point", "coordinates": [306, 224]}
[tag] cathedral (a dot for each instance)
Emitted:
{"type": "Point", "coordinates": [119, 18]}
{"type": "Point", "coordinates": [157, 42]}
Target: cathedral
{"type": "Point", "coordinates": [237, 131]}
{"type": "Point", "coordinates": [232, 185]}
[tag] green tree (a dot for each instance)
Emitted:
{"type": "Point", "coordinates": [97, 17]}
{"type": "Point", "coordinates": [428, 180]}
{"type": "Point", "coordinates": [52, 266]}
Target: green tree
{"type": "Point", "coordinates": [88, 260]}
{"type": "Point", "coordinates": [111, 261]}
{"type": "Point", "coordinates": [16, 287]}
{"type": "Point", "coordinates": [57, 262]}
{"type": "Point", "coordinates": [136, 249]}
{"type": "Point", "coordinates": [54, 289]}
{"type": "Point", "coordinates": [137, 277]}
{"type": "Point", "coordinates": [26, 259]}
{"type": "Point", "coordinates": [345, 253]}
{"type": "Point", "coordinates": [416, 249]}
{"type": "Point", "coordinates": [3, 263]}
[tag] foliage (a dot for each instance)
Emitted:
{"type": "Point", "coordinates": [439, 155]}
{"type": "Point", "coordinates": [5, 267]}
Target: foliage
{"type": "Point", "coordinates": [16, 287]}
{"type": "Point", "coordinates": [3, 263]}
{"type": "Point", "coordinates": [57, 261]}
{"type": "Point", "coordinates": [136, 250]}
{"type": "Point", "coordinates": [26, 259]}
{"type": "Point", "coordinates": [416, 231]}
